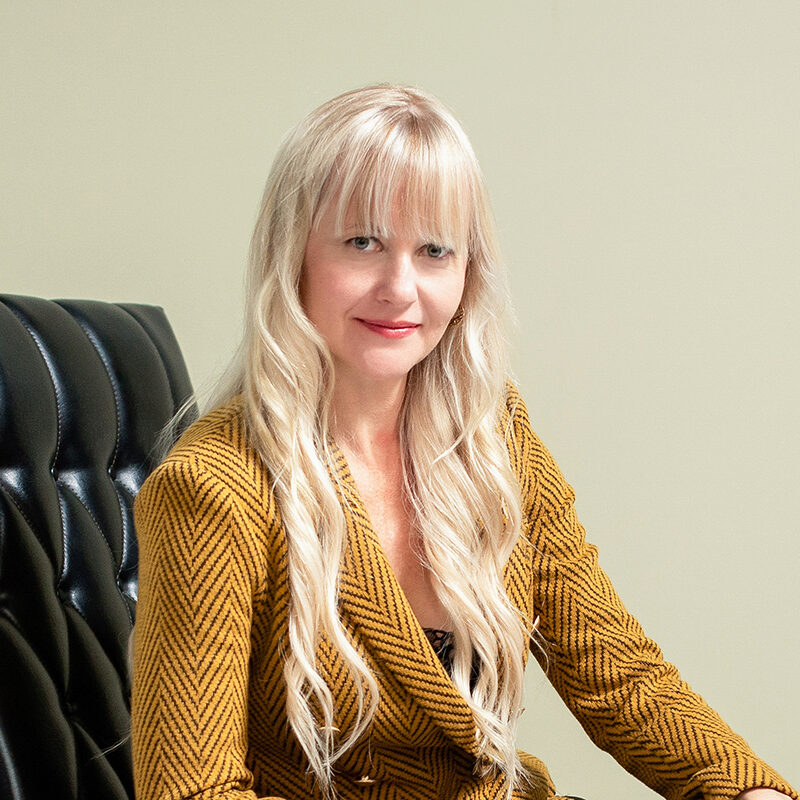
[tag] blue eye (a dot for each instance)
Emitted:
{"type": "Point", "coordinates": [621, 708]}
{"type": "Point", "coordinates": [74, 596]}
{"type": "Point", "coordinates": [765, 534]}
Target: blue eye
{"type": "Point", "coordinates": [361, 242]}
{"type": "Point", "coordinates": [436, 250]}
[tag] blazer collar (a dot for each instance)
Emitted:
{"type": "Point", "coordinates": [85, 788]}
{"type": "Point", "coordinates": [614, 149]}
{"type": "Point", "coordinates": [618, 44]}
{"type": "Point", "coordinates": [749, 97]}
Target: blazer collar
{"type": "Point", "coordinates": [375, 605]}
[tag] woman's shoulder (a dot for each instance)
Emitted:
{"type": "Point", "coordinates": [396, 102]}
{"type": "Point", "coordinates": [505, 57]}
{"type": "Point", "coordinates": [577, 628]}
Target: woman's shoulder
{"type": "Point", "coordinates": [515, 422]}
{"type": "Point", "coordinates": [544, 488]}
{"type": "Point", "coordinates": [215, 449]}
{"type": "Point", "coordinates": [209, 489]}
{"type": "Point", "coordinates": [218, 433]}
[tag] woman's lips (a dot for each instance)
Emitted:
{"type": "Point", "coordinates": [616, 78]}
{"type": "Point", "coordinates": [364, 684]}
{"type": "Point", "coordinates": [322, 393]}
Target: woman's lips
{"type": "Point", "coordinates": [391, 329]}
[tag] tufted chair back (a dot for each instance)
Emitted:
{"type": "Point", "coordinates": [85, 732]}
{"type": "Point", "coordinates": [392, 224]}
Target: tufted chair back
{"type": "Point", "coordinates": [85, 388]}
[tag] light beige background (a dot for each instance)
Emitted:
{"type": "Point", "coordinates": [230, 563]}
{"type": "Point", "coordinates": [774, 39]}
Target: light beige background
{"type": "Point", "coordinates": [643, 160]}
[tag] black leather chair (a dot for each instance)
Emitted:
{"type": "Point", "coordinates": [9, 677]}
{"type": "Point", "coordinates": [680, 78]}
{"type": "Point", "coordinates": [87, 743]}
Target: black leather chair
{"type": "Point", "coordinates": [85, 388]}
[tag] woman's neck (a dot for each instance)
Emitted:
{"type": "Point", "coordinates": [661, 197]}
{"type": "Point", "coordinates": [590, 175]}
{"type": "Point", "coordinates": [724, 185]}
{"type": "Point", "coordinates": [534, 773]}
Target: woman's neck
{"type": "Point", "coordinates": [366, 421]}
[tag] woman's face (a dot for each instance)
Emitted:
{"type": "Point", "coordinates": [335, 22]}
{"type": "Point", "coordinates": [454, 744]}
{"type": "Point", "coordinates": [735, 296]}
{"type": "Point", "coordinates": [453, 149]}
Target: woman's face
{"type": "Point", "coordinates": [381, 303]}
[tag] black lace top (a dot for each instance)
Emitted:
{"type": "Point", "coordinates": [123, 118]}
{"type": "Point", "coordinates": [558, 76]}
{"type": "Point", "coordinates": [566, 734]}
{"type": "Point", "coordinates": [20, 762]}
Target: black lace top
{"type": "Point", "coordinates": [442, 644]}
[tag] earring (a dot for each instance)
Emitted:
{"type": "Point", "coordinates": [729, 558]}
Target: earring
{"type": "Point", "coordinates": [456, 318]}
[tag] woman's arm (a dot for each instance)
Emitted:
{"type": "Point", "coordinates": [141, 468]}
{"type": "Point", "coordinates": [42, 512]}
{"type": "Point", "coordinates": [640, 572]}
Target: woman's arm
{"type": "Point", "coordinates": [631, 702]}
{"type": "Point", "coordinates": [192, 644]}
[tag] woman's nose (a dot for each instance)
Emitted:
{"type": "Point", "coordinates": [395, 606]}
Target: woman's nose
{"type": "Point", "coordinates": [398, 284]}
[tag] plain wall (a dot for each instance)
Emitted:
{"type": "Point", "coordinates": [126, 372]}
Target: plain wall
{"type": "Point", "coordinates": [644, 165]}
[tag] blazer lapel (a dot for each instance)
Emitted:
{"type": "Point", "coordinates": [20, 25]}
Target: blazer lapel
{"type": "Point", "coordinates": [375, 605]}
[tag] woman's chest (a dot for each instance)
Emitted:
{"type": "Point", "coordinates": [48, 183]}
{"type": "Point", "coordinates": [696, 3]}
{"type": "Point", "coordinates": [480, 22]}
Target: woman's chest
{"type": "Point", "coordinates": [402, 544]}
{"type": "Point", "coordinates": [389, 512]}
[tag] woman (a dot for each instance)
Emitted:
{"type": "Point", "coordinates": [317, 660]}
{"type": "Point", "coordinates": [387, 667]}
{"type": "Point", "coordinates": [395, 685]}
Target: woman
{"type": "Point", "coordinates": [344, 564]}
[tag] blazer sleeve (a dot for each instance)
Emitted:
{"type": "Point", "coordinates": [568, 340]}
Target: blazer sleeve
{"type": "Point", "coordinates": [197, 577]}
{"type": "Point", "coordinates": [630, 701]}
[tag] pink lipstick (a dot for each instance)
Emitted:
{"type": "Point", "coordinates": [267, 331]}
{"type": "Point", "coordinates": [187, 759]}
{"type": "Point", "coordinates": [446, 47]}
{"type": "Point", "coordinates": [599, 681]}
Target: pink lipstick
{"type": "Point", "coordinates": [391, 329]}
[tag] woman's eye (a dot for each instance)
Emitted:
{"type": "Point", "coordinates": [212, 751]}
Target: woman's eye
{"type": "Point", "coordinates": [436, 250]}
{"type": "Point", "coordinates": [362, 242]}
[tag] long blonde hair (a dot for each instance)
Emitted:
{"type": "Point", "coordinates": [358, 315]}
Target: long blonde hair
{"type": "Point", "coordinates": [362, 151]}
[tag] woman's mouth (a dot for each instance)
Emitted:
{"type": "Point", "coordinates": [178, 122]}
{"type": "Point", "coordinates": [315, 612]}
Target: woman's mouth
{"type": "Point", "coordinates": [391, 329]}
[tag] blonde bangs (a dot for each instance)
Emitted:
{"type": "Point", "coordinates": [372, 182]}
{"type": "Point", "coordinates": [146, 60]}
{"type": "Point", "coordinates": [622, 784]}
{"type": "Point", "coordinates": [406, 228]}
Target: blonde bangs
{"type": "Point", "coordinates": [413, 178]}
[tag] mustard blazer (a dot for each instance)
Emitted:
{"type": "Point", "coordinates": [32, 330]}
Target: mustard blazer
{"type": "Point", "coordinates": [209, 703]}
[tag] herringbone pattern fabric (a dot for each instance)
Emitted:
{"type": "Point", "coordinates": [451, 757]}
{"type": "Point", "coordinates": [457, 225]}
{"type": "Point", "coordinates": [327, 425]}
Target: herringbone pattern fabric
{"type": "Point", "coordinates": [209, 714]}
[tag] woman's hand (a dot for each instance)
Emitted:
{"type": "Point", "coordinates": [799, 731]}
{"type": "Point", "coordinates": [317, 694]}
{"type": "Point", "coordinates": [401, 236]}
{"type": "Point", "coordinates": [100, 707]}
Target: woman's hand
{"type": "Point", "coordinates": [761, 794]}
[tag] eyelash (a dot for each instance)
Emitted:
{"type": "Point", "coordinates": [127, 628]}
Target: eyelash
{"type": "Point", "coordinates": [445, 251]}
